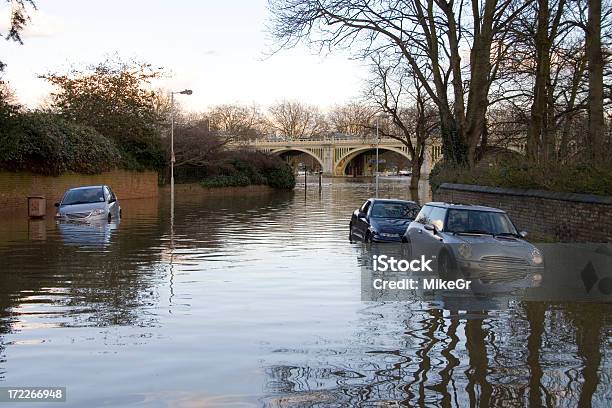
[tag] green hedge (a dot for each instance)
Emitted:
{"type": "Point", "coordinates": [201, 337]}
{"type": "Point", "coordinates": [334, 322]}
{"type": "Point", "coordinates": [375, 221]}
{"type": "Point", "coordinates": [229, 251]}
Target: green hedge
{"type": "Point", "coordinates": [586, 178]}
{"type": "Point", "coordinates": [243, 168]}
{"type": "Point", "coordinates": [46, 144]}
{"type": "Point", "coordinates": [281, 178]}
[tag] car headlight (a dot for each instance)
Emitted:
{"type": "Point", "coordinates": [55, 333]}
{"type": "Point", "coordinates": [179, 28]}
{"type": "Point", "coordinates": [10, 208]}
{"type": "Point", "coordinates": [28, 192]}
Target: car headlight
{"type": "Point", "coordinates": [465, 251]}
{"type": "Point", "coordinates": [536, 256]}
{"type": "Point", "coordinates": [97, 211]}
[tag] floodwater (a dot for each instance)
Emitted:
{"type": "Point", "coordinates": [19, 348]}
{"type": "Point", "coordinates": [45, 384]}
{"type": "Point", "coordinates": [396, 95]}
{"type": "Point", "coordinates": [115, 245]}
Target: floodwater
{"type": "Point", "coordinates": [257, 301]}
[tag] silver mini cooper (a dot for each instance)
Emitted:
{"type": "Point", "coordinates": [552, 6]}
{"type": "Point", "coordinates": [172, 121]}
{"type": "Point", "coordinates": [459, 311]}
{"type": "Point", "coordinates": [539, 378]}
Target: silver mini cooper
{"type": "Point", "coordinates": [474, 241]}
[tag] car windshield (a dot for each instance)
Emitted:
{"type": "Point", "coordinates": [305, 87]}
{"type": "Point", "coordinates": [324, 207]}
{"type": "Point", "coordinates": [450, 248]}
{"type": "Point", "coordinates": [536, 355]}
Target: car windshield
{"type": "Point", "coordinates": [394, 210]}
{"type": "Point", "coordinates": [83, 196]}
{"type": "Point", "coordinates": [479, 222]}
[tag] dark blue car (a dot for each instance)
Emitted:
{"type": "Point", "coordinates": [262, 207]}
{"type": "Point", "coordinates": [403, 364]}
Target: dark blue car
{"type": "Point", "coordinates": [382, 220]}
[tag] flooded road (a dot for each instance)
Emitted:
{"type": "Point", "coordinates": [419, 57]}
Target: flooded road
{"type": "Point", "coordinates": [257, 301]}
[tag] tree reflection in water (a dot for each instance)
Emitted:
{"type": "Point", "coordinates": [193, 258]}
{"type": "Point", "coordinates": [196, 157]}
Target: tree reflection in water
{"type": "Point", "coordinates": [446, 359]}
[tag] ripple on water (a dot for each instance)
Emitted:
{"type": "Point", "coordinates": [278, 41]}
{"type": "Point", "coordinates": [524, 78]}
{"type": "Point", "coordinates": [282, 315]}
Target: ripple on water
{"type": "Point", "coordinates": [257, 301]}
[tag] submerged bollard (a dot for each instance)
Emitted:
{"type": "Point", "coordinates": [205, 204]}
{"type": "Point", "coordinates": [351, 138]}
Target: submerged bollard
{"type": "Point", "coordinates": [320, 177]}
{"type": "Point", "coordinates": [37, 206]}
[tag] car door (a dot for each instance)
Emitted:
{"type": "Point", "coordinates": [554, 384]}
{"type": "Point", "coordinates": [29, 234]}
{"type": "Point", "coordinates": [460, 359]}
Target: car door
{"type": "Point", "coordinates": [414, 233]}
{"type": "Point", "coordinates": [112, 202]}
{"type": "Point", "coordinates": [117, 206]}
{"type": "Point", "coordinates": [362, 223]}
{"type": "Point", "coordinates": [431, 239]}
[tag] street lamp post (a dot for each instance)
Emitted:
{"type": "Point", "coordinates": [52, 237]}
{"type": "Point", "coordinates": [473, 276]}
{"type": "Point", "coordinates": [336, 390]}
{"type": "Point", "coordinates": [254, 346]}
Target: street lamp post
{"type": "Point", "coordinates": [172, 158]}
{"type": "Point", "coordinates": [377, 143]}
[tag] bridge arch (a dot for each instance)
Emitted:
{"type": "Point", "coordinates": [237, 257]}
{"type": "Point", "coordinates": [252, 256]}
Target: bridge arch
{"type": "Point", "coordinates": [278, 152]}
{"type": "Point", "coordinates": [342, 162]}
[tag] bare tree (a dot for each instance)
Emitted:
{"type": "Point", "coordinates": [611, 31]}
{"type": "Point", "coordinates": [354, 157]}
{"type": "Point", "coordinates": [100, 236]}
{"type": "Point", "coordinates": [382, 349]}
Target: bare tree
{"type": "Point", "coordinates": [430, 36]}
{"type": "Point", "coordinates": [296, 120]}
{"type": "Point", "coordinates": [594, 52]}
{"type": "Point", "coordinates": [397, 92]}
{"type": "Point", "coordinates": [352, 118]}
{"type": "Point", "coordinates": [540, 142]}
{"type": "Point", "coordinates": [7, 94]}
{"type": "Point", "coordinates": [237, 122]}
{"type": "Point", "coordinates": [544, 78]}
{"type": "Point", "coordinates": [195, 145]}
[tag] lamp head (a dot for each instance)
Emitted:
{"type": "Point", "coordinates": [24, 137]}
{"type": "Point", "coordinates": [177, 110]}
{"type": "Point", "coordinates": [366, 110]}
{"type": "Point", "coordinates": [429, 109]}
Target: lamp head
{"type": "Point", "coordinates": [186, 92]}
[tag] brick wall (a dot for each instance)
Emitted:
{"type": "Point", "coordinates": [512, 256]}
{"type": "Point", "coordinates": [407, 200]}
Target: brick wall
{"type": "Point", "coordinates": [16, 187]}
{"type": "Point", "coordinates": [544, 214]}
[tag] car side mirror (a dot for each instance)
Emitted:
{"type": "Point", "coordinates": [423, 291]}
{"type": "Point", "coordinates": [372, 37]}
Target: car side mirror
{"type": "Point", "coordinates": [362, 216]}
{"type": "Point", "coordinates": [523, 234]}
{"type": "Point", "coordinates": [431, 227]}
{"type": "Point", "coordinates": [112, 200]}
{"type": "Point", "coordinates": [56, 204]}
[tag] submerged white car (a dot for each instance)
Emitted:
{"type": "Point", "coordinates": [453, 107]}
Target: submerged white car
{"type": "Point", "coordinates": [89, 203]}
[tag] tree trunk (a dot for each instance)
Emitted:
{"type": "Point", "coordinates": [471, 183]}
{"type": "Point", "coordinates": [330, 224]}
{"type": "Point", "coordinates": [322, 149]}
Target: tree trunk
{"type": "Point", "coordinates": [480, 64]}
{"type": "Point", "coordinates": [537, 133]}
{"type": "Point", "coordinates": [416, 173]}
{"type": "Point", "coordinates": [454, 147]}
{"type": "Point", "coordinates": [565, 134]}
{"type": "Point", "coordinates": [595, 140]}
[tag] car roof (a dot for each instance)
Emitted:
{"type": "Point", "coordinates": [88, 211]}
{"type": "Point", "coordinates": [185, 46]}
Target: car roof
{"type": "Point", "coordinates": [86, 187]}
{"type": "Point", "coordinates": [469, 207]}
{"type": "Point", "coordinates": [391, 200]}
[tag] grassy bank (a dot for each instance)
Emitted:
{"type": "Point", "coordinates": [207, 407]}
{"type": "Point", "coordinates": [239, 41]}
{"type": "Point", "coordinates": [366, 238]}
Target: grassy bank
{"type": "Point", "coordinates": [585, 178]}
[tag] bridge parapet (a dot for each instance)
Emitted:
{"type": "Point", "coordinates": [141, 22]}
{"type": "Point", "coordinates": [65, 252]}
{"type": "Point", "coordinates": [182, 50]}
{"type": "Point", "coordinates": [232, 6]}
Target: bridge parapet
{"type": "Point", "coordinates": [334, 154]}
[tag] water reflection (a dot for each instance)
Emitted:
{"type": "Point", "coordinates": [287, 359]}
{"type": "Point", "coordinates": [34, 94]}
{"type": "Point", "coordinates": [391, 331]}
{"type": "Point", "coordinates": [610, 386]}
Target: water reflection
{"type": "Point", "coordinates": [258, 301]}
{"type": "Point", "coordinates": [95, 233]}
{"type": "Point", "coordinates": [441, 358]}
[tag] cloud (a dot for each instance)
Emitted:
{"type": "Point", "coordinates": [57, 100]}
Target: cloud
{"type": "Point", "coordinates": [212, 53]}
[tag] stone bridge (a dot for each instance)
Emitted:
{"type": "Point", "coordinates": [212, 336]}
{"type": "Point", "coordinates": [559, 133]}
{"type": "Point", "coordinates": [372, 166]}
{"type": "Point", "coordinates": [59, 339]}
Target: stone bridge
{"type": "Point", "coordinates": [334, 155]}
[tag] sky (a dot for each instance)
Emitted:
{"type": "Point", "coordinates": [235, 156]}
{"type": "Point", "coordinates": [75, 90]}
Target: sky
{"type": "Point", "coordinates": [219, 49]}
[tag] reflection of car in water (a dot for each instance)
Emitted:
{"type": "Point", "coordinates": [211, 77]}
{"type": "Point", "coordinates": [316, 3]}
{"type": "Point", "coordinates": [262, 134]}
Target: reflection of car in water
{"type": "Point", "coordinates": [89, 203]}
{"type": "Point", "coordinates": [93, 233]}
{"type": "Point", "coordinates": [382, 220]}
{"type": "Point", "coordinates": [475, 241]}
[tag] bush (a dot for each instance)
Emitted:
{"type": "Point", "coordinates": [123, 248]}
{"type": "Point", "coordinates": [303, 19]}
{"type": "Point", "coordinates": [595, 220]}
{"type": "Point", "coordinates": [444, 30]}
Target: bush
{"type": "Point", "coordinates": [114, 97]}
{"type": "Point", "coordinates": [46, 144]}
{"type": "Point", "coordinates": [242, 168]}
{"type": "Point", "coordinates": [142, 154]}
{"type": "Point", "coordinates": [236, 180]}
{"type": "Point", "coordinates": [586, 178]}
{"type": "Point", "coordinates": [250, 171]}
{"type": "Point", "coordinates": [281, 177]}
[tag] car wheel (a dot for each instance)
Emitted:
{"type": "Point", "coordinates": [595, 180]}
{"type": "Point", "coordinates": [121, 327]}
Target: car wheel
{"type": "Point", "coordinates": [446, 266]}
{"type": "Point", "coordinates": [368, 237]}
{"type": "Point", "coordinates": [109, 217]}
